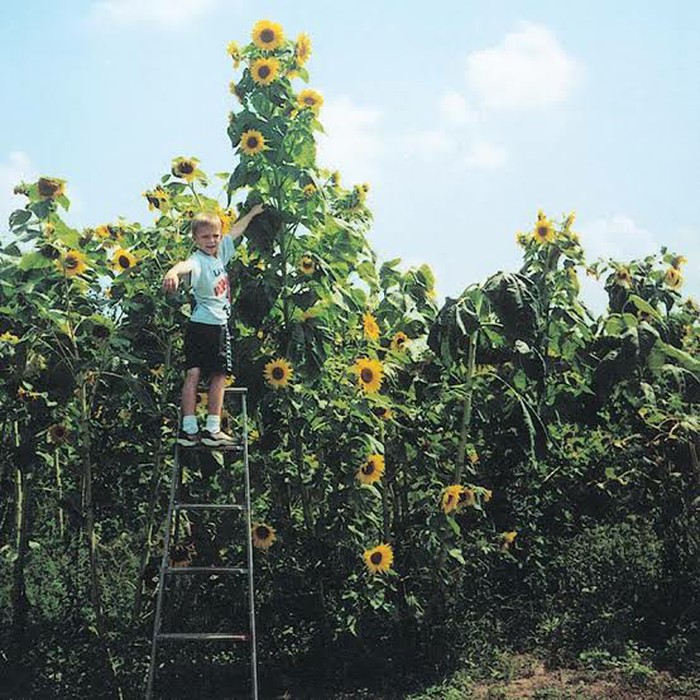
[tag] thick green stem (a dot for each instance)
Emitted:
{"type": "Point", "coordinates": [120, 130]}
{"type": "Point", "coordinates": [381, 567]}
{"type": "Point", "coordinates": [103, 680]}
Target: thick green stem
{"type": "Point", "coordinates": [19, 595]}
{"type": "Point", "coordinates": [467, 411]}
{"type": "Point", "coordinates": [59, 493]}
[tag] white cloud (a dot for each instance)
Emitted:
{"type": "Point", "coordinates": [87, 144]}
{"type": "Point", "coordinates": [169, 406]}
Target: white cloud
{"type": "Point", "coordinates": [352, 142]}
{"type": "Point", "coordinates": [455, 110]}
{"type": "Point", "coordinates": [486, 156]}
{"type": "Point", "coordinates": [168, 13]}
{"type": "Point", "coordinates": [617, 237]}
{"type": "Point", "coordinates": [528, 69]}
{"type": "Point", "coordinates": [14, 170]}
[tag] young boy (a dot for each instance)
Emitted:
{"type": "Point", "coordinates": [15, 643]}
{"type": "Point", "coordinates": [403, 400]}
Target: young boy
{"type": "Point", "coordinates": [207, 339]}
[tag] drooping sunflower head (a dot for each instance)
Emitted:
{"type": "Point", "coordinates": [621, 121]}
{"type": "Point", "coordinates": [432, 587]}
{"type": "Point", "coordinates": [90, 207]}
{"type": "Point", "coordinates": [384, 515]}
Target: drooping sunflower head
{"type": "Point", "coordinates": [234, 51]}
{"type": "Point", "coordinates": [307, 265]}
{"type": "Point", "coordinates": [302, 49]}
{"type": "Point", "coordinates": [678, 261]}
{"type": "Point", "coordinates": [522, 239]}
{"type": "Point", "coordinates": [72, 263]}
{"type": "Point", "coordinates": [379, 559]}
{"type": "Point", "coordinates": [544, 230]}
{"type": "Point", "coordinates": [264, 70]}
{"type": "Point", "coordinates": [57, 434]}
{"type": "Point", "coordinates": [309, 190]}
{"type": "Point", "coordinates": [466, 498]}
{"type": "Point", "coordinates": [185, 168]}
{"type": "Point", "coordinates": [569, 221]}
{"type": "Point", "coordinates": [310, 99]}
{"type": "Point", "coordinates": [370, 374]}
{"type": "Point", "coordinates": [267, 35]}
{"type": "Point", "coordinates": [278, 373]}
{"type": "Point", "coordinates": [264, 535]}
{"type": "Point", "coordinates": [50, 187]}
{"type": "Point", "coordinates": [383, 412]}
{"type": "Point", "coordinates": [623, 277]}
{"type": "Point", "coordinates": [370, 326]}
{"type": "Point", "coordinates": [450, 498]}
{"type": "Point", "coordinates": [673, 278]}
{"type": "Point", "coordinates": [371, 469]}
{"type": "Point", "coordinates": [252, 142]}
{"type": "Point", "coordinates": [399, 341]}
{"type": "Point", "coordinates": [122, 260]}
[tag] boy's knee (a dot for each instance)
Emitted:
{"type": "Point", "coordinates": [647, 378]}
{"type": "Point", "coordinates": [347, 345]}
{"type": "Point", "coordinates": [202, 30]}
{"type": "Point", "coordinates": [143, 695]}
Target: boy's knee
{"type": "Point", "coordinates": [192, 375]}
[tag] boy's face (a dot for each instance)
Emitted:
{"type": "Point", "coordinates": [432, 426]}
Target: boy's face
{"type": "Point", "coordinates": [207, 239]}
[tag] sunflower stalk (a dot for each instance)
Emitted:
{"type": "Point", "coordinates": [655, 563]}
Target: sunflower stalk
{"type": "Point", "coordinates": [59, 489]}
{"type": "Point", "coordinates": [385, 494]}
{"type": "Point", "coordinates": [467, 411]}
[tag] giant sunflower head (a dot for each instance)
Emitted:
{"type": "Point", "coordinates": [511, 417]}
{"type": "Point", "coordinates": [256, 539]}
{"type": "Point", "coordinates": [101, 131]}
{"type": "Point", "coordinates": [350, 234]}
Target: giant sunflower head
{"type": "Point", "coordinates": [450, 498]}
{"type": "Point", "coordinates": [252, 142]}
{"type": "Point", "coordinates": [263, 535]}
{"type": "Point", "coordinates": [370, 326]}
{"type": "Point", "coordinates": [673, 278]}
{"type": "Point", "coordinates": [302, 49]}
{"type": "Point", "coordinates": [399, 341]}
{"type": "Point", "coordinates": [267, 35]}
{"type": "Point", "coordinates": [72, 263]}
{"type": "Point", "coordinates": [379, 559]}
{"type": "Point", "coordinates": [307, 265]}
{"type": "Point", "coordinates": [122, 260]}
{"type": "Point", "coordinates": [370, 374]}
{"type": "Point", "coordinates": [310, 99]}
{"type": "Point", "coordinates": [50, 187]}
{"type": "Point", "coordinates": [185, 168]}
{"type": "Point", "coordinates": [264, 70]}
{"type": "Point", "coordinates": [371, 469]}
{"type": "Point", "coordinates": [544, 230]}
{"type": "Point", "coordinates": [278, 373]}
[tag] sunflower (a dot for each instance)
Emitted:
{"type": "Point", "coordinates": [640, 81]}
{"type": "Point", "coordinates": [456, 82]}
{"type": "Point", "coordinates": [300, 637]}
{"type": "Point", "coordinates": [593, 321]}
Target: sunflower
{"type": "Point", "coordinates": [227, 218]}
{"type": "Point", "coordinates": [310, 99]}
{"type": "Point", "coordinates": [335, 178]}
{"type": "Point", "coordinates": [51, 188]}
{"type": "Point", "coordinates": [71, 263]}
{"type": "Point", "coordinates": [522, 239]}
{"type": "Point", "coordinates": [508, 538]}
{"type": "Point", "coordinates": [264, 70]}
{"type": "Point", "coordinates": [678, 260]}
{"type": "Point", "coordinates": [673, 277]}
{"type": "Point", "coordinates": [544, 231]}
{"type": "Point", "coordinates": [202, 400]}
{"type": "Point", "coordinates": [123, 260]}
{"type": "Point", "coordinates": [309, 190]}
{"type": "Point", "coordinates": [307, 265]}
{"type": "Point", "coordinates": [450, 498]}
{"type": "Point", "coordinates": [278, 373]}
{"type": "Point", "coordinates": [102, 231]}
{"type": "Point", "coordinates": [234, 51]}
{"type": "Point", "coordinates": [371, 470]}
{"type": "Point", "coordinates": [302, 49]}
{"type": "Point", "coordinates": [623, 277]}
{"type": "Point", "coordinates": [185, 168]}
{"type": "Point", "coordinates": [466, 498]}
{"type": "Point", "coordinates": [379, 559]}
{"type": "Point", "coordinates": [267, 35]}
{"type": "Point", "coordinates": [57, 434]}
{"type": "Point", "coordinates": [488, 495]}
{"type": "Point", "coordinates": [252, 142]}
{"type": "Point", "coordinates": [369, 374]}
{"type": "Point", "coordinates": [100, 332]}
{"type": "Point", "coordinates": [157, 198]}
{"type": "Point", "coordinates": [383, 412]}
{"type": "Point", "coordinates": [398, 342]}
{"type": "Point", "coordinates": [263, 535]}
{"type": "Point", "coordinates": [370, 326]}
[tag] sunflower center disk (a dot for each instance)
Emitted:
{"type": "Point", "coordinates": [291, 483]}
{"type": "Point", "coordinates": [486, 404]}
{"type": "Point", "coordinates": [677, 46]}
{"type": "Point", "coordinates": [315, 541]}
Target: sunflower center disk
{"type": "Point", "coordinates": [264, 71]}
{"type": "Point", "coordinates": [252, 142]}
{"type": "Point", "coordinates": [277, 373]}
{"type": "Point", "coordinates": [267, 36]}
{"type": "Point", "coordinates": [263, 533]}
{"type": "Point", "coordinates": [376, 558]}
{"type": "Point", "coordinates": [367, 375]}
{"type": "Point", "coordinates": [368, 469]}
{"type": "Point", "coordinates": [124, 261]}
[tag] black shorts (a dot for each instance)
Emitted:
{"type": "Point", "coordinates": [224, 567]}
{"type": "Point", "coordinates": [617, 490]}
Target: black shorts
{"type": "Point", "coordinates": [208, 347]}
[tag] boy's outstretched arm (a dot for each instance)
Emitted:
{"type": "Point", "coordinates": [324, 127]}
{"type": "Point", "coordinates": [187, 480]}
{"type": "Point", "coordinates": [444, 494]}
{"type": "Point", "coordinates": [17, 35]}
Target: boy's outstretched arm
{"type": "Point", "coordinates": [171, 279]}
{"type": "Point", "coordinates": [242, 224]}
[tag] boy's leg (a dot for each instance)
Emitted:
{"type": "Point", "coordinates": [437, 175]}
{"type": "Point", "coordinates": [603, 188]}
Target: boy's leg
{"type": "Point", "coordinates": [213, 435]}
{"type": "Point", "coordinates": [187, 404]}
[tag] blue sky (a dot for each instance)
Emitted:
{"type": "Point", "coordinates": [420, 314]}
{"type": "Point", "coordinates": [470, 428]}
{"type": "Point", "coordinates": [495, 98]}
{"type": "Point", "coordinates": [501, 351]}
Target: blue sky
{"type": "Point", "coordinates": [465, 116]}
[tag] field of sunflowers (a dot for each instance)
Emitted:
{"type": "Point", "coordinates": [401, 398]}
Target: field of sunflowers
{"type": "Point", "coordinates": [433, 485]}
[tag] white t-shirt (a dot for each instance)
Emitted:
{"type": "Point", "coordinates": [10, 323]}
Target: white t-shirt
{"type": "Point", "coordinates": [210, 285]}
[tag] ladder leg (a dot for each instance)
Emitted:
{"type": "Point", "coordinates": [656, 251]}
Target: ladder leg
{"type": "Point", "coordinates": [174, 487]}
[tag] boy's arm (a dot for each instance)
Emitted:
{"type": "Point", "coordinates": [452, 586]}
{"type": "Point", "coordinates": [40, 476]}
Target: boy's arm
{"type": "Point", "coordinates": [171, 279]}
{"type": "Point", "coordinates": [242, 224]}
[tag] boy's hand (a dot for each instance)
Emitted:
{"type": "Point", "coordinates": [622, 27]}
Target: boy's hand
{"type": "Point", "coordinates": [170, 282]}
{"type": "Point", "coordinates": [257, 209]}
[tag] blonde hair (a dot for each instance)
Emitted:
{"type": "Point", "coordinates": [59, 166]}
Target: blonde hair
{"type": "Point", "coordinates": [204, 219]}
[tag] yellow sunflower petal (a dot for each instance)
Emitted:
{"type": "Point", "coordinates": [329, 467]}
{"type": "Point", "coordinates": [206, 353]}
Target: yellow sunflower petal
{"type": "Point", "coordinates": [278, 373]}
{"type": "Point", "coordinates": [267, 35]}
{"type": "Point", "coordinates": [252, 142]}
{"type": "Point", "coordinates": [371, 470]}
{"type": "Point", "coordinates": [379, 559]}
{"type": "Point", "coordinates": [370, 374]}
{"type": "Point", "coordinates": [264, 535]}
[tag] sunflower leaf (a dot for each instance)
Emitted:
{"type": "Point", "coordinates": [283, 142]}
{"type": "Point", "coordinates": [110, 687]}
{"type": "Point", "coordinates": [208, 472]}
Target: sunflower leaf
{"type": "Point", "coordinates": [456, 553]}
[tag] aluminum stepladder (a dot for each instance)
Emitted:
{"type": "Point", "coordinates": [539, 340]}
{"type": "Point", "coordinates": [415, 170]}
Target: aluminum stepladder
{"type": "Point", "coordinates": [167, 570]}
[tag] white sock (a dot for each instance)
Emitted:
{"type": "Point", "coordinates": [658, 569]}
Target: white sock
{"type": "Point", "coordinates": [213, 424]}
{"type": "Point", "coordinates": [189, 424]}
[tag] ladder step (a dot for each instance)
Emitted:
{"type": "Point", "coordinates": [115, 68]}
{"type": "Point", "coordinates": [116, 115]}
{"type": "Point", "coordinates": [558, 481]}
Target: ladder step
{"type": "Point", "coordinates": [207, 506]}
{"type": "Point", "coordinates": [205, 570]}
{"type": "Point", "coordinates": [205, 636]}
